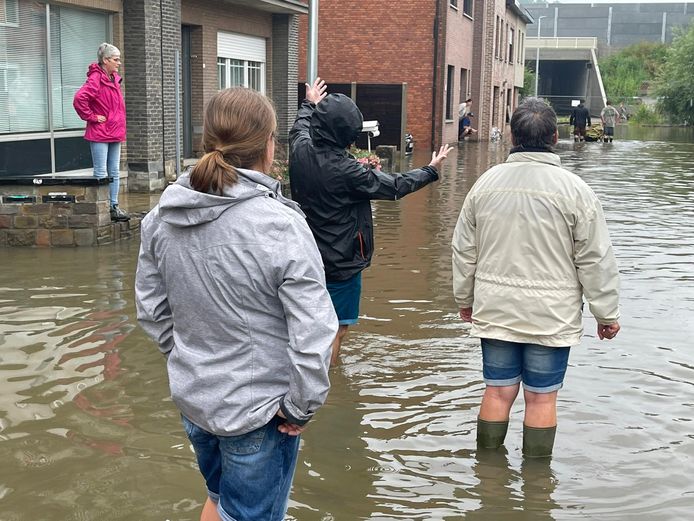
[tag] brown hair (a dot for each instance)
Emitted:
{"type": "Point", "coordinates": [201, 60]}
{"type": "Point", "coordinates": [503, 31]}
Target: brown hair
{"type": "Point", "coordinates": [238, 125]}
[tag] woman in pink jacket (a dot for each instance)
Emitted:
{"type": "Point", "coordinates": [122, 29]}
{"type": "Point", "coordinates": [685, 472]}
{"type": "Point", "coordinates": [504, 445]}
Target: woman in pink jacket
{"type": "Point", "coordinates": [100, 103]}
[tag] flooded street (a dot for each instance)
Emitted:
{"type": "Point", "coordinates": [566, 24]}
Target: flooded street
{"type": "Point", "coordinates": [88, 432]}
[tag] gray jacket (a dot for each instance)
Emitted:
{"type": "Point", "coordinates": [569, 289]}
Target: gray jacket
{"type": "Point", "coordinates": [232, 289]}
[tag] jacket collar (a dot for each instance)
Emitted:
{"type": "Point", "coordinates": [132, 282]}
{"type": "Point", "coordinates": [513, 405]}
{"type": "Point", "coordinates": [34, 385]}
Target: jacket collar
{"type": "Point", "coordinates": [519, 155]}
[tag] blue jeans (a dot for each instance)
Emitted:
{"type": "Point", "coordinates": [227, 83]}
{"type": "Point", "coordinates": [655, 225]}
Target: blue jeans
{"type": "Point", "coordinates": [248, 476]}
{"type": "Point", "coordinates": [106, 160]}
{"type": "Point", "coordinates": [541, 368]}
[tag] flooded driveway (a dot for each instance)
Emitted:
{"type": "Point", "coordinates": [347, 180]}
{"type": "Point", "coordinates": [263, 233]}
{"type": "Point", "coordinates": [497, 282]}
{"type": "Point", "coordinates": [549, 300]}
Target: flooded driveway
{"type": "Point", "coordinates": [88, 432]}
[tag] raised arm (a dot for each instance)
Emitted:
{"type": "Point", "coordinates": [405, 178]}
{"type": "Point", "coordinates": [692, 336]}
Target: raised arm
{"type": "Point", "coordinates": [314, 95]}
{"type": "Point", "coordinates": [368, 183]}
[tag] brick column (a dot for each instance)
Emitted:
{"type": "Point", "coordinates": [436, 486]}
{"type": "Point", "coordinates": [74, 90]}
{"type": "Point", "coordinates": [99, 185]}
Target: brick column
{"type": "Point", "coordinates": [152, 35]}
{"type": "Point", "coordinates": [285, 70]}
{"type": "Point", "coordinates": [483, 66]}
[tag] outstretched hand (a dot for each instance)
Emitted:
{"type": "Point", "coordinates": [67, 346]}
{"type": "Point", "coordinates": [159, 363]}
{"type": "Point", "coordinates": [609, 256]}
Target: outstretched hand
{"type": "Point", "coordinates": [316, 92]}
{"type": "Point", "coordinates": [438, 158]}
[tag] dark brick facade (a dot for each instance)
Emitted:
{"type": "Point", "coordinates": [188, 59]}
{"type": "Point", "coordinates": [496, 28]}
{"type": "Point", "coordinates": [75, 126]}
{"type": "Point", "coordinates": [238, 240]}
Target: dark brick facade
{"type": "Point", "coordinates": [152, 37]}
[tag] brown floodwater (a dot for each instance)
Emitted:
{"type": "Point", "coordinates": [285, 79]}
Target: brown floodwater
{"type": "Point", "coordinates": [88, 431]}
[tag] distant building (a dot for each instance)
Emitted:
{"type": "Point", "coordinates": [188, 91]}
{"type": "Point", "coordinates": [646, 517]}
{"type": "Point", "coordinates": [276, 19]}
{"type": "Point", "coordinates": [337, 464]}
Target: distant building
{"type": "Point", "coordinates": [614, 24]}
{"type": "Point", "coordinates": [45, 48]}
{"type": "Point", "coordinates": [444, 50]}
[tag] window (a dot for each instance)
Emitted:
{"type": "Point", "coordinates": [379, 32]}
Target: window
{"type": "Point", "coordinates": [9, 12]}
{"type": "Point", "coordinates": [240, 73]}
{"type": "Point", "coordinates": [454, 3]}
{"type": "Point", "coordinates": [449, 91]}
{"type": "Point", "coordinates": [467, 7]}
{"type": "Point", "coordinates": [511, 37]}
{"type": "Point", "coordinates": [75, 37]}
{"type": "Point", "coordinates": [463, 85]}
{"type": "Point", "coordinates": [240, 61]}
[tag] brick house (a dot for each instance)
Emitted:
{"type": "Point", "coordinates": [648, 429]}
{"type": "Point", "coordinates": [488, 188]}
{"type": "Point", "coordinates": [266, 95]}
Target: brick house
{"type": "Point", "coordinates": [435, 46]}
{"type": "Point", "coordinates": [46, 46]}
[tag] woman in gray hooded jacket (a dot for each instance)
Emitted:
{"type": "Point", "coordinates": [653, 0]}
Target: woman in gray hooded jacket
{"type": "Point", "coordinates": [231, 286]}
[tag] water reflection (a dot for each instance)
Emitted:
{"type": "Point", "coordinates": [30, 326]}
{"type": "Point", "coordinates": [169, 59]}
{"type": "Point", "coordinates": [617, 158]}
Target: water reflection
{"type": "Point", "coordinates": [87, 430]}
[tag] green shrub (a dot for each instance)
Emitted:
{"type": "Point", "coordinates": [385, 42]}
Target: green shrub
{"type": "Point", "coordinates": [645, 115]}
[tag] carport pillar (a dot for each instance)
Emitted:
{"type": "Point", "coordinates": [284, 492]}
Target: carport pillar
{"type": "Point", "coordinates": [153, 34]}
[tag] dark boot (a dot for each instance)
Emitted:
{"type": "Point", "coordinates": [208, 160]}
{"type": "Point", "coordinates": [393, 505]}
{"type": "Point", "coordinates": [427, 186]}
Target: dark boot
{"type": "Point", "coordinates": [491, 434]}
{"type": "Point", "coordinates": [118, 215]}
{"type": "Point", "coordinates": [538, 441]}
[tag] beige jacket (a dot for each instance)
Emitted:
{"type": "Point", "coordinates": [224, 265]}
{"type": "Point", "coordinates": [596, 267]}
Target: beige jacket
{"type": "Point", "coordinates": [530, 241]}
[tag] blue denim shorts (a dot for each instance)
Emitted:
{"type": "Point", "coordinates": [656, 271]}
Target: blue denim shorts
{"type": "Point", "coordinates": [248, 476]}
{"type": "Point", "coordinates": [540, 368]}
{"type": "Point", "coordinates": [345, 295]}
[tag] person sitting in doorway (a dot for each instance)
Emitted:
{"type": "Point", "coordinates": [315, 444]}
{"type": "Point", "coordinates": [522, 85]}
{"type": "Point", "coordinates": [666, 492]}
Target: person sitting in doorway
{"type": "Point", "coordinates": [466, 127]}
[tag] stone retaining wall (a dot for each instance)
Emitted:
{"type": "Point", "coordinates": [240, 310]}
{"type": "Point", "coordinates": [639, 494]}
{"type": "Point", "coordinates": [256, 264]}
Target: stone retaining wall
{"type": "Point", "coordinates": [44, 223]}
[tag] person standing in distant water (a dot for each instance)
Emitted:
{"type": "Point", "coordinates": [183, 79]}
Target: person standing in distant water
{"type": "Point", "coordinates": [609, 117]}
{"type": "Point", "coordinates": [464, 113]}
{"type": "Point", "coordinates": [100, 103]}
{"type": "Point", "coordinates": [580, 119]}
{"type": "Point", "coordinates": [623, 113]}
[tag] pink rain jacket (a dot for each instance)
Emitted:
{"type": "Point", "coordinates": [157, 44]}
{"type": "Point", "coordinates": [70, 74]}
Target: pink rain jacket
{"type": "Point", "coordinates": [100, 95]}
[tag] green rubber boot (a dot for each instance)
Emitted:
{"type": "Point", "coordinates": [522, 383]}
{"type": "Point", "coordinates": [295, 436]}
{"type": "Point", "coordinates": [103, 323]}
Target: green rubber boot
{"type": "Point", "coordinates": [491, 434]}
{"type": "Point", "coordinates": [538, 441]}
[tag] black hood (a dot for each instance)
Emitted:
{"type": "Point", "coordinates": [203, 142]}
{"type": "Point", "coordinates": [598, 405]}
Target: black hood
{"type": "Point", "coordinates": [336, 121]}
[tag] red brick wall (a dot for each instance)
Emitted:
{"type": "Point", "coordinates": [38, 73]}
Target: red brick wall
{"type": "Point", "coordinates": [459, 45]}
{"type": "Point", "coordinates": [391, 42]}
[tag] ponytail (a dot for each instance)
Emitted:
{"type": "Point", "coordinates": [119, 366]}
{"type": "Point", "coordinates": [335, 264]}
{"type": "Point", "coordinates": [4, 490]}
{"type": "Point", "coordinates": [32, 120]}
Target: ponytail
{"type": "Point", "coordinates": [212, 173]}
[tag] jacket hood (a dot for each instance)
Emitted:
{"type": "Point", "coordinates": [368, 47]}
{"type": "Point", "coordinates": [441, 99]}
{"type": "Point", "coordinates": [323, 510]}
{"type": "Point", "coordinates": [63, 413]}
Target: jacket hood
{"type": "Point", "coordinates": [181, 205]}
{"type": "Point", "coordinates": [95, 68]}
{"type": "Point", "coordinates": [336, 121]}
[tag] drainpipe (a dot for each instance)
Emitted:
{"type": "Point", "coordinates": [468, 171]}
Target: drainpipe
{"type": "Point", "coordinates": [312, 55]}
{"type": "Point", "coordinates": [435, 82]}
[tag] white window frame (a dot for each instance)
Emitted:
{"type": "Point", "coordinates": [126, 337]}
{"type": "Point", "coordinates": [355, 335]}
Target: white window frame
{"type": "Point", "coordinates": [10, 23]}
{"type": "Point", "coordinates": [248, 50]}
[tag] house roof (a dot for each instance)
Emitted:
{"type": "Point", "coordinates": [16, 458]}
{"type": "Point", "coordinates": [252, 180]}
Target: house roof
{"type": "Point", "coordinates": [517, 8]}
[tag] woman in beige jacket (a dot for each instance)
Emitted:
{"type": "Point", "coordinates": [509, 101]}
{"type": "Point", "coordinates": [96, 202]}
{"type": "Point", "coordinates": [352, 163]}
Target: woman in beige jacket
{"type": "Point", "coordinates": [531, 241]}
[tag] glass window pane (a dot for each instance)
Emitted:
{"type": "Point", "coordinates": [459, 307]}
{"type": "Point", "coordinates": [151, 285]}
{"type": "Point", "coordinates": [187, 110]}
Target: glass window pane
{"type": "Point", "coordinates": [75, 38]}
{"type": "Point", "coordinates": [23, 79]}
{"type": "Point", "coordinates": [255, 75]}
{"type": "Point", "coordinates": [19, 158]}
{"type": "Point", "coordinates": [236, 73]}
{"type": "Point", "coordinates": [222, 73]}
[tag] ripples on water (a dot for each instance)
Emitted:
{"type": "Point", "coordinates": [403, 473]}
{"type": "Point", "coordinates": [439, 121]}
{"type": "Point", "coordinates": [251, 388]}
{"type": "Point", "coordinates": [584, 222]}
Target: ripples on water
{"type": "Point", "coordinates": [87, 430]}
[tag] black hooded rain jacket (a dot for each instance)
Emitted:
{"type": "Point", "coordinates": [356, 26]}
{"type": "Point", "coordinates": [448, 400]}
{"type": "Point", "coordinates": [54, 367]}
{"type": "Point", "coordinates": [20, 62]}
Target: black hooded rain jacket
{"type": "Point", "coordinates": [335, 190]}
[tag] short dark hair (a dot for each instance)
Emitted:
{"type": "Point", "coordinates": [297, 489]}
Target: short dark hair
{"type": "Point", "coordinates": [534, 124]}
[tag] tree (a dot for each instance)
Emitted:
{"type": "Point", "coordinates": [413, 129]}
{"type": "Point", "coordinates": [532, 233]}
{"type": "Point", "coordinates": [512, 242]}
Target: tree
{"type": "Point", "coordinates": [528, 83]}
{"type": "Point", "coordinates": [676, 79]}
{"type": "Point", "coordinates": [624, 72]}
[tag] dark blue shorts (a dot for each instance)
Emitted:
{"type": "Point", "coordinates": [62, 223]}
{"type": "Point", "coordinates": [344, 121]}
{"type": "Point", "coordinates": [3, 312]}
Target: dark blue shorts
{"type": "Point", "coordinates": [609, 131]}
{"type": "Point", "coordinates": [345, 295]}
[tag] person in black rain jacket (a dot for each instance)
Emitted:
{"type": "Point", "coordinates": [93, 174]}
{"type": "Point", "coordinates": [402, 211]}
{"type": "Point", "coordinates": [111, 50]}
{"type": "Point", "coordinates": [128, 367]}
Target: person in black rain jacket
{"type": "Point", "coordinates": [335, 190]}
{"type": "Point", "coordinates": [580, 118]}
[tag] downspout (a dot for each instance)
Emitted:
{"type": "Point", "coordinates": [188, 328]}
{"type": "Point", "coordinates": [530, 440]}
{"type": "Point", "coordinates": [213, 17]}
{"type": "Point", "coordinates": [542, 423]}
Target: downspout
{"type": "Point", "coordinates": [434, 92]}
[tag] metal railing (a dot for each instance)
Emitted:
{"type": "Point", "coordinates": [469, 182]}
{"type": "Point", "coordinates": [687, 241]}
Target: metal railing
{"type": "Point", "coordinates": [561, 43]}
